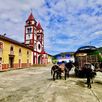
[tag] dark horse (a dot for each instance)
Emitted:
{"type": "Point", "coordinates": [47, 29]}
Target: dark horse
{"type": "Point", "coordinates": [89, 73]}
{"type": "Point", "coordinates": [57, 70]}
{"type": "Point", "coordinates": [69, 66]}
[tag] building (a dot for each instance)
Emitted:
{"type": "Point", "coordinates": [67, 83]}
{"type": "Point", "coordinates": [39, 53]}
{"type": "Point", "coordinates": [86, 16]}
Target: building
{"type": "Point", "coordinates": [66, 56]}
{"type": "Point", "coordinates": [14, 55]}
{"type": "Point", "coordinates": [49, 58]}
{"type": "Point", "coordinates": [34, 38]}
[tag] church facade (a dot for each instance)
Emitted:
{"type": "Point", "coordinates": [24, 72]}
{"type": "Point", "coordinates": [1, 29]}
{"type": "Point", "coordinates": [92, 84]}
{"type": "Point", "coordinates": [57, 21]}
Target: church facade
{"type": "Point", "coordinates": [14, 54]}
{"type": "Point", "coordinates": [34, 38]}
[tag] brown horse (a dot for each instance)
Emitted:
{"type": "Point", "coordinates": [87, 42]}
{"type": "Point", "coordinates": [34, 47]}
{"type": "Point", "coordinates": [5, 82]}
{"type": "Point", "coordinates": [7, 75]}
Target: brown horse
{"type": "Point", "coordinates": [57, 70]}
{"type": "Point", "coordinates": [63, 67]}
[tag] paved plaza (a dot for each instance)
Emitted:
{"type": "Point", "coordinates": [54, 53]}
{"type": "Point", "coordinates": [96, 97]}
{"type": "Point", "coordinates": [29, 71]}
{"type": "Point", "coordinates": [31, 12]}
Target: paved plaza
{"type": "Point", "coordinates": [36, 85]}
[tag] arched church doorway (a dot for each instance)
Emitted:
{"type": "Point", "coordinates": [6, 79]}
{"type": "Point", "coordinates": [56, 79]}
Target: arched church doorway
{"type": "Point", "coordinates": [34, 59]}
{"type": "Point", "coordinates": [39, 59]}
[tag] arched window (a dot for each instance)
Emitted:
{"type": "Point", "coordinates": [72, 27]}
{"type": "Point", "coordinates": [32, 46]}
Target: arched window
{"type": "Point", "coordinates": [29, 30]}
{"type": "Point", "coordinates": [39, 46]}
{"type": "Point", "coordinates": [20, 52]}
{"type": "Point", "coordinates": [11, 50]}
{"type": "Point", "coordinates": [27, 53]}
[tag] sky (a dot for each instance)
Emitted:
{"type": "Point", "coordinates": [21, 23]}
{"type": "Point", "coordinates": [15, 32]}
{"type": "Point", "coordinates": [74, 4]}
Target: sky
{"type": "Point", "coordinates": [67, 24]}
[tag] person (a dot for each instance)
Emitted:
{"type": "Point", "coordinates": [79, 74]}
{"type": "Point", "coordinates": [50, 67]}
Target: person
{"type": "Point", "coordinates": [88, 73]}
{"type": "Point", "coordinates": [61, 68]}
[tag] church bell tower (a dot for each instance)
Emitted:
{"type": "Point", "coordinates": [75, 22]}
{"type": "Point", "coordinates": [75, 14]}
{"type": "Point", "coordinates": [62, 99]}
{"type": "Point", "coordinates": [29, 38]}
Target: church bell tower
{"type": "Point", "coordinates": [30, 32]}
{"type": "Point", "coordinates": [34, 37]}
{"type": "Point", "coordinates": [40, 38]}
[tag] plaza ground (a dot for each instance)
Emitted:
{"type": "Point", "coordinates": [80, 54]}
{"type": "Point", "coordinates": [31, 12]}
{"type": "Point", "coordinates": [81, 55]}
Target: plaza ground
{"type": "Point", "coordinates": [36, 85]}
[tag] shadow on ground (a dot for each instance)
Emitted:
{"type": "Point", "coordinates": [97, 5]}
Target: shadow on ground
{"type": "Point", "coordinates": [80, 83]}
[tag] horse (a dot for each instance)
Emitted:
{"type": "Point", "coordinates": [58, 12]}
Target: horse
{"type": "Point", "coordinates": [89, 73]}
{"type": "Point", "coordinates": [69, 66]}
{"type": "Point", "coordinates": [62, 67]}
{"type": "Point", "coordinates": [57, 70]}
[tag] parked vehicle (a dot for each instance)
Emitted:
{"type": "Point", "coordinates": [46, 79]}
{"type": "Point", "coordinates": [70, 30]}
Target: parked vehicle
{"type": "Point", "coordinates": [86, 54]}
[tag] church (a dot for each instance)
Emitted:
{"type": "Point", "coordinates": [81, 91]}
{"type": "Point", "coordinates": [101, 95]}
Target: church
{"type": "Point", "coordinates": [34, 38]}
{"type": "Point", "coordinates": [14, 54]}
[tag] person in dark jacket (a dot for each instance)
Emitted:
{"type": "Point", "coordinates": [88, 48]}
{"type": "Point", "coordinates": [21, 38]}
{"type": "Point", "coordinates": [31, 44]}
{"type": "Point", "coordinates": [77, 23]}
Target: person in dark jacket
{"type": "Point", "coordinates": [89, 74]}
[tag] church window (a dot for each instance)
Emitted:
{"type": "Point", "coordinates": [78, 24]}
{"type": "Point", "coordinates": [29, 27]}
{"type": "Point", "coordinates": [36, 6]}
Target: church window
{"type": "Point", "coordinates": [20, 51]}
{"type": "Point", "coordinates": [39, 46]}
{"type": "Point", "coordinates": [38, 37]}
{"type": "Point", "coordinates": [11, 49]}
{"type": "Point", "coordinates": [27, 53]}
{"type": "Point", "coordinates": [29, 30]}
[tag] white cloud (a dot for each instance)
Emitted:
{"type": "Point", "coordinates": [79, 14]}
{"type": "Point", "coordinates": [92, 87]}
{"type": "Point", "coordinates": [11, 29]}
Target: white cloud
{"type": "Point", "coordinates": [80, 21]}
{"type": "Point", "coordinates": [98, 33]}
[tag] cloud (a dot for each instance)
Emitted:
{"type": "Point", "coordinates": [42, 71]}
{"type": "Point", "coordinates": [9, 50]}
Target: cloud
{"type": "Point", "coordinates": [67, 24]}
